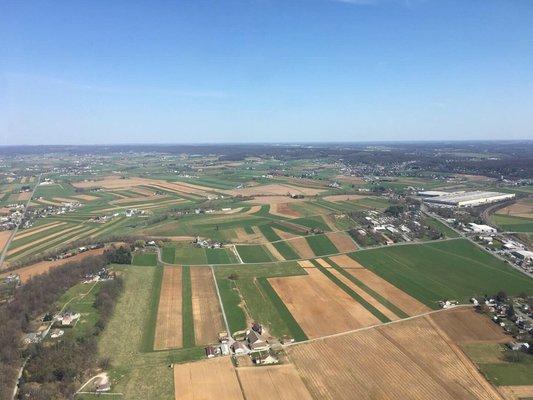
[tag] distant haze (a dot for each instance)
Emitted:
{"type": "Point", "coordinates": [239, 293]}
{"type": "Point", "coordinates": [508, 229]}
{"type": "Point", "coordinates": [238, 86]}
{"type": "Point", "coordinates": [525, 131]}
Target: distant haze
{"type": "Point", "coordinates": [265, 71]}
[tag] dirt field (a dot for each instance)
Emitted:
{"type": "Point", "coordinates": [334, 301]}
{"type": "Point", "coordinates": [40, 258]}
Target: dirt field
{"type": "Point", "coordinates": [321, 307]}
{"type": "Point", "coordinates": [283, 210]}
{"type": "Point", "coordinates": [4, 238]}
{"type": "Point", "coordinates": [85, 197]}
{"type": "Point", "coordinates": [284, 235]}
{"type": "Point", "coordinates": [24, 196]}
{"type": "Point", "coordinates": [344, 197]}
{"type": "Point", "coordinates": [301, 247]}
{"type": "Point", "coordinates": [404, 360]}
{"type": "Point", "coordinates": [346, 262]}
{"type": "Point", "coordinates": [273, 190]}
{"type": "Point", "coordinates": [516, 392]}
{"type": "Point", "coordinates": [213, 379]}
{"type": "Point", "coordinates": [244, 237]}
{"type": "Point", "coordinates": [280, 382]}
{"type": "Point", "coordinates": [205, 307]}
{"type": "Point", "coordinates": [168, 330]}
{"type": "Point", "coordinates": [522, 208]}
{"type": "Point", "coordinates": [42, 267]}
{"type": "Point", "coordinates": [464, 325]}
{"type": "Point", "coordinates": [384, 310]}
{"type": "Point", "coordinates": [278, 199]}
{"type": "Point", "coordinates": [342, 241]}
{"type": "Point", "coordinates": [306, 264]}
{"type": "Point", "coordinates": [350, 179]}
{"type": "Point", "coordinates": [399, 298]}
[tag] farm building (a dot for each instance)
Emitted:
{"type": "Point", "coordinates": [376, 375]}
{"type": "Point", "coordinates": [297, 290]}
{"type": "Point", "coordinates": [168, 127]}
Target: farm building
{"type": "Point", "coordinates": [465, 199]}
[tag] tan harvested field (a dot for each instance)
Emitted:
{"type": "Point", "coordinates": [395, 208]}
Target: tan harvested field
{"type": "Point", "coordinates": [522, 208]}
{"type": "Point", "coordinates": [516, 392]}
{"type": "Point", "coordinates": [42, 267]}
{"type": "Point", "coordinates": [277, 255]}
{"type": "Point", "coordinates": [342, 241]}
{"type": "Point", "coordinates": [301, 247]}
{"type": "Point", "coordinates": [399, 298]}
{"type": "Point", "coordinates": [48, 202]}
{"type": "Point", "coordinates": [4, 238]}
{"type": "Point", "coordinates": [273, 200]}
{"type": "Point", "coordinates": [464, 325]}
{"type": "Point", "coordinates": [213, 379]}
{"type": "Point", "coordinates": [85, 197]}
{"type": "Point", "coordinates": [284, 235]}
{"type": "Point", "coordinates": [280, 382]}
{"type": "Point", "coordinates": [273, 190]}
{"type": "Point", "coordinates": [168, 330]}
{"type": "Point", "coordinates": [252, 210]}
{"type": "Point", "coordinates": [283, 210]}
{"type": "Point", "coordinates": [344, 197]}
{"type": "Point", "coordinates": [206, 312]}
{"type": "Point", "coordinates": [66, 200]}
{"type": "Point", "coordinates": [384, 310]}
{"type": "Point", "coordinates": [243, 237]}
{"type": "Point", "coordinates": [4, 210]}
{"type": "Point", "coordinates": [306, 264]}
{"type": "Point", "coordinates": [142, 191]}
{"type": "Point", "coordinates": [28, 232]}
{"type": "Point", "coordinates": [319, 306]}
{"type": "Point", "coordinates": [345, 262]}
{"type": "Point", "coordinates": [24, 196]}
{"type": "Point", "coordinates": [408, 359]}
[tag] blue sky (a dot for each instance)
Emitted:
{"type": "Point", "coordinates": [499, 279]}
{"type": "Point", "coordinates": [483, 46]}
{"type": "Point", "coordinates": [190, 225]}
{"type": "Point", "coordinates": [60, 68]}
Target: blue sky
{"type": "Point", "coordinates": [258, 70]}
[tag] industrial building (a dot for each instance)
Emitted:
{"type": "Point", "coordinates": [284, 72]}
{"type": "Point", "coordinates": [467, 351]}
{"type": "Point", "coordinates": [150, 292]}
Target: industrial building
{"type": "Point", "coordinates": [464, 199]}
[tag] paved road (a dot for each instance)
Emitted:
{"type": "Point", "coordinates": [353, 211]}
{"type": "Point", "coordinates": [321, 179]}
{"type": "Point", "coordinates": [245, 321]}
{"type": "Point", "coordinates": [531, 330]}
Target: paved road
{"type": "Point", "coordinates": [4, 252]}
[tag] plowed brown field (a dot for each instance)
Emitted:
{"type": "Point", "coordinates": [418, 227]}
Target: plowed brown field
{"type": "Point", "coordinates": [168, 329]}
{"type": "Point", "coordinates": [464, 325]}
{"type": "Point", "coordinates": [280, 382]}
{"type": "Point", "coordinates": [342, 241]}
{"type": "Point", "coordinates": [405, 360]}
{"type": "Point", "coordinates": [301, 247]}
{"type": "Point", "coordinates": [213, 379]}
{"type": "Point", "coordinates": [319, 306]}
{"type": "Point", "coordinates": [206, 312]}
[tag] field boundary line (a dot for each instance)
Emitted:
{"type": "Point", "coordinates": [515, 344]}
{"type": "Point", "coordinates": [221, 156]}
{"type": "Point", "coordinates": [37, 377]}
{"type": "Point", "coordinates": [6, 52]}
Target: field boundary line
{"type": "Point", "coordinates": [220, 302]}
{"type": "Point", "coordinates": [366, 328]}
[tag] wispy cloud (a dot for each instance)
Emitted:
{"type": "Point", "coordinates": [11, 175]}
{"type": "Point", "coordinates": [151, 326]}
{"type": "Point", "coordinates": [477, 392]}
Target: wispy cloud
{"type": "Point", "coordinates": [133, 90]}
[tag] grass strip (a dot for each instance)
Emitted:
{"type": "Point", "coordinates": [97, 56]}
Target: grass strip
{"type": "Point", "coordinates": [147, 341]}
{"type": "Point", "coordinates": [168, 254]}
{"type": "Point", "coordinates": [373, 310]}
{"type": "Point", "coordinates": [295, 329]}
{"type": "Point", "coordinates": [231, 302]}
{"type": "Point", "coordinates": [186, 308]}
{"type": "Point", "coordinates": [371, 292]}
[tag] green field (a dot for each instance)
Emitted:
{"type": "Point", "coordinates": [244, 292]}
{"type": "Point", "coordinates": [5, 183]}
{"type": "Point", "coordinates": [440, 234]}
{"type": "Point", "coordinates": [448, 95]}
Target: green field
{"type": "Point", "coordinates": [254, 254]}
{"type": "Point", "coordinates": [220, 256]}
{"type": "Point", "coordinates": [454, 269]}
{"type": "Point", "coordinates": [286, 250]}
{"type": "Point", "coordinates": [146, 259]}
{"type": "Point", "coordinates": [512, 224]}
{"type": "Point", "coordinates": [186, 308]}
{"type": "Point", "coordinates": [168, 254]}
{"type": "Point", "coordinates": [321, 245]}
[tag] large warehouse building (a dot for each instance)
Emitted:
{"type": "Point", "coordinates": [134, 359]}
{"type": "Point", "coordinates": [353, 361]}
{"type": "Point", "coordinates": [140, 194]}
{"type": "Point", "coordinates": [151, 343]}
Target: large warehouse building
{"type": "Point", "coordinates": [465, 199]}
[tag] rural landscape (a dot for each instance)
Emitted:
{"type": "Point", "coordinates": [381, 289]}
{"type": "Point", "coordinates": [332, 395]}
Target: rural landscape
{"type": "Point", "coordinates": [334, 271]}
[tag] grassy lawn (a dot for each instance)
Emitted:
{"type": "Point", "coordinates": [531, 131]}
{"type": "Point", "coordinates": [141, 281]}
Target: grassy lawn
{"type": "Point", "coordinates": [254, 254]}
{"type": "Point", "coordinates": [321, 245]}
{"type": "Point", "coordinates": [220, 256]}
{"type": "Point", "coordinates": [231, 302]}
{"type": "Point", "coordinates": [446, 270]}
{"type": "Point", "coordinates": [190, 255]}
{"type": "Point", "coordinates": [135, 373]}
{"type": "Point", "coordinates": [442, 228]}
{"type": "Point", "coordinates": [144, 259]}
{"type": "Point", "coordinates": [168, 254]}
